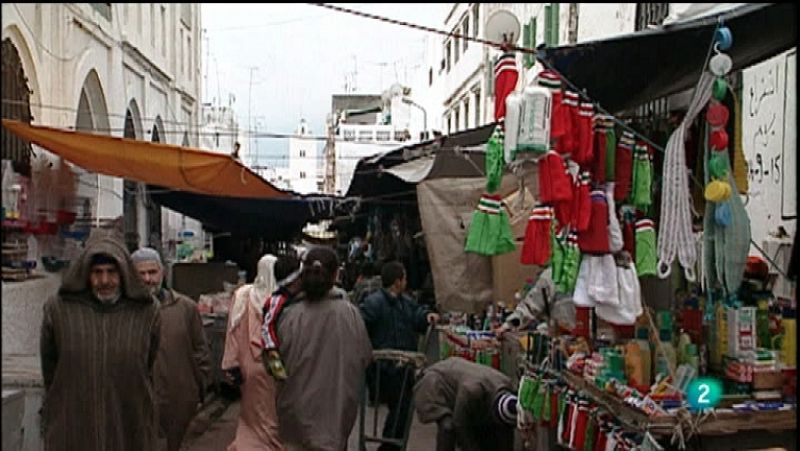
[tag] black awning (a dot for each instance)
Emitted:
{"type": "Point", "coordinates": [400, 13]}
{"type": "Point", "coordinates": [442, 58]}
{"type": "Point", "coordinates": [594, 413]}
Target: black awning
{"type": "Point", "coordinates": [369, 178]}
{"type": "Point", "coordinates": [626, 71]}
{"type": "Point", "coordinates": [272, 219]}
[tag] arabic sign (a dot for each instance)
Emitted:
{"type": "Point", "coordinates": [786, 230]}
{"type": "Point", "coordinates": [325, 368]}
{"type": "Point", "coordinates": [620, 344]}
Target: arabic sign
{"type": "Point", "coordinates": [770, 142]}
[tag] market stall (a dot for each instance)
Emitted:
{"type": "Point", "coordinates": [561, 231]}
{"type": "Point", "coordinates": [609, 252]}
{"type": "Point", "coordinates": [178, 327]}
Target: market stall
{"type": "Point", "coordinates": [607, 362]}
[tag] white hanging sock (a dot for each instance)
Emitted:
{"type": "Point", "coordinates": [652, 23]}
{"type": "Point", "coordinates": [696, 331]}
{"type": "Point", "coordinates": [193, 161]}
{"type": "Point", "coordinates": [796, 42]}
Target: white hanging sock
{"type": "Point", "coordinates": [603, 280]}
{"type": "Point", "coordinates": [615, 238]}
{"type": "Point", "coordinates": [630, 299]}
{"type": "Point", "coordinates": [581, 295]}
{"type": "Point", "coordinates": [675, 236]}
{"type": "Point", "coordinates": [513, 112]}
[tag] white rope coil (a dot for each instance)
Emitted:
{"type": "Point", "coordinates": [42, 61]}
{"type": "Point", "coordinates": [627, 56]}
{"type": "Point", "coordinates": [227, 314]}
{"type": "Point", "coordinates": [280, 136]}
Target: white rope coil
{"type": "Point", "coordinates": [675, 235]}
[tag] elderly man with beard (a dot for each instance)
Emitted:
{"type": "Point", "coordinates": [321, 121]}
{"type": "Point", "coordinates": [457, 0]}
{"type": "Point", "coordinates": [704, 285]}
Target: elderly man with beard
{"type": "Point", "coordinates": [99, 341]}
{"type": "Point", "coordinates": [183, 363]}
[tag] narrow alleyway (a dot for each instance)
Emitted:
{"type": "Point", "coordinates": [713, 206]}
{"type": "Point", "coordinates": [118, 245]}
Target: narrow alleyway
{"type": "Point", "coordinates": [219, 432]}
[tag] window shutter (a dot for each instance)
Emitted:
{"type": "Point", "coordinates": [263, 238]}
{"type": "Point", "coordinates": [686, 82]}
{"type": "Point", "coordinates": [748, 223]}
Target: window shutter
{"type": "Point", "coordinates": [554, 24]}
{"type": "Point", "coordinates": [548, 25]}
{"type": "Point", "coordinates": [526, 42]}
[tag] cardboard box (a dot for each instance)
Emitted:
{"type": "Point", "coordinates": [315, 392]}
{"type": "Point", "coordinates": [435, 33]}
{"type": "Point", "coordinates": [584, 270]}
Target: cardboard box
{"type": "Point", "coordinates": [767, 380]}
{"type": "Point", "coordinates": [508, 276]}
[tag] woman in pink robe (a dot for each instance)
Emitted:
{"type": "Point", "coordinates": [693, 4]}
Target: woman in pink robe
{"type": "Point", "coordinates": [258, 420]}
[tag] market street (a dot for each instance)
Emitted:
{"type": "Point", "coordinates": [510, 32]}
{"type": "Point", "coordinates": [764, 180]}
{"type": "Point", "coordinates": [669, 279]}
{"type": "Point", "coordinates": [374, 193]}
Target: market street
{"type": "Point", "coordinates": [220, 433]}
{"type": "Point", "coordinates": [510, 226]}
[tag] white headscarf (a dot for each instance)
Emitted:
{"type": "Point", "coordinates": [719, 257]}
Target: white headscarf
{"type": "Point", "coordinates": [264, 285]}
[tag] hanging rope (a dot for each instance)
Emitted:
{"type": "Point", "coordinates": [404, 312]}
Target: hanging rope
{"type": "Point", "coordinates": [675, 224]}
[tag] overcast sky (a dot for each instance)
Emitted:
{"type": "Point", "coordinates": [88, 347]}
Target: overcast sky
{"type": "Point", "coordinates": [304, 54]}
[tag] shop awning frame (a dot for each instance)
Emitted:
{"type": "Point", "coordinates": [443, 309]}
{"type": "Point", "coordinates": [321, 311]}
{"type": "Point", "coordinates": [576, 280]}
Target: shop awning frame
{"type": "Point", "coordinates": [624, 72]}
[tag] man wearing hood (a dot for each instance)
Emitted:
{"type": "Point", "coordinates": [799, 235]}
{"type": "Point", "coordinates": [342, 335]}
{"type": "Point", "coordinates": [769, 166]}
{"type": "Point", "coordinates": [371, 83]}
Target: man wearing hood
{"type": "Point", "coordinates": [99, 340]}
{"type": "Point", "coordinates": [183, 363]}
{"type": "Point", "coordinates": [474, 406]}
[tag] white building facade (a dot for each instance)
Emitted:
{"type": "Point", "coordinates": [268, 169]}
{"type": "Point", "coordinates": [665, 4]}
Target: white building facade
{"type": "Point", "coordinates": [220, 129]}
{"type": "Point", "coordinates": [129, 70]}
{"type": "Point", "coordinates": [304, 152]}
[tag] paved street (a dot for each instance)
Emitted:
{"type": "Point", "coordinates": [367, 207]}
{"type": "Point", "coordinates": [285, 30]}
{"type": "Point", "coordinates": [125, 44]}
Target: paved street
{"type": "Point", "coordinates": [220, 432]}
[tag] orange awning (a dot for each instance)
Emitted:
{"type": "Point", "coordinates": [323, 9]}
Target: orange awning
{"type": "Point", "coordinates": [174, 167]}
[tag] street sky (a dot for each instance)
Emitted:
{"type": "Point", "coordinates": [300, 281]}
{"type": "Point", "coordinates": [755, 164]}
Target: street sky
{"type": "Point", "coordinates": [304, 54]}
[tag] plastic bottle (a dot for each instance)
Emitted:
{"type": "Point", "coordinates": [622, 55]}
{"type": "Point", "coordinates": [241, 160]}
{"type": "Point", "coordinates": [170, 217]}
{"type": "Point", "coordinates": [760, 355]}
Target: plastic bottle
{"type": "Point", "coordinates": [762, 324]}
{"type": "Point", "coordinates": [683, 342]}
{"type": "Point", "coordinates": [666, 359]}
{"type": "Point", "coordinates": [692, 358]}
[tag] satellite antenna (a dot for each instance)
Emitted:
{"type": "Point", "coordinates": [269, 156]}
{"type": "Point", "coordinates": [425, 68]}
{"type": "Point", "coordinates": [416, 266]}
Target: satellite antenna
{"type": "Point", "coordinates": [503, 26]}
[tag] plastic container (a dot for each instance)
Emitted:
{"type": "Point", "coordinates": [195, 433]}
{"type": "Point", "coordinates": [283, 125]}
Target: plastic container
{"type": "Point", "coordinates": [668, 358]}
{"type": "Point", "coordinates": [534, 123]}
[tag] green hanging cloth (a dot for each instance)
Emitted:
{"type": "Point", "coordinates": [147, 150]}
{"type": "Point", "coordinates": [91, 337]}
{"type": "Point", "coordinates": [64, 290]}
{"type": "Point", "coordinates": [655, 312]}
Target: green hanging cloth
{"type": "Point", "coordinates": [641, 194]}
{"type": "Point", "coordinates": [490, 231]}
{"type": "Point", "coordinates": [611, 152]}
{"type": "Point", "coordinates": [495, 160]}
{"type": "Point", "coordinates": [571, 265]}
{"type": "Point", "coordinates": [557, 246]}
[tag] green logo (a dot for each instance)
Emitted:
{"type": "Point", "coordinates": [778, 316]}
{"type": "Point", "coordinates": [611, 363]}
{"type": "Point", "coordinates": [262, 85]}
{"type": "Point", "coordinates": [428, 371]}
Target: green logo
{"type": "Point", "coordinates": [704, 393]}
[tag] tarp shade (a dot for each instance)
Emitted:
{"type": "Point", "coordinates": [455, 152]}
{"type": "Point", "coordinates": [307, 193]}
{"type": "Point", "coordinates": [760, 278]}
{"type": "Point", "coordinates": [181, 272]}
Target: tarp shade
{"type": "Point", "coordinates": [372, 176]}
{"type": "Point", "coordinates": [627, 71]}
{"type": "Point", "coordinates": [174, 167]}
{"type": "Point", "coordinates": [275, 219]}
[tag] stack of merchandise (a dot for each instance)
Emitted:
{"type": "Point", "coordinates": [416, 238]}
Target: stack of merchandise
{"type": "Point", "coordinates": [741, 330]}
{"type": "Point", "coordinates": [475, 346]}
{"type": "Point", "coordinates": [613, 368]}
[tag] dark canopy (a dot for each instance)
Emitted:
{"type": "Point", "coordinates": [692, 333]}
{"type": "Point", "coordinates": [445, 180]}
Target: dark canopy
{"type": "Point", "coordinates": [626, 71]}
{"type": "Point", "coordinates": [273, 219]}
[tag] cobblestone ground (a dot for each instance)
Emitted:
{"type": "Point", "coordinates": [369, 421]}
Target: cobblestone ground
{"type": "Point", "coordinates": [215, 434]}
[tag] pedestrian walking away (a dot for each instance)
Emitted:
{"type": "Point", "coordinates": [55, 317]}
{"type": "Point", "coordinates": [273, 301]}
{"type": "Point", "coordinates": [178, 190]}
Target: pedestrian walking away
{"type": "Point", "coordinates": [258, 424]}
{"type": "Point", "coordinates": [325, 348]}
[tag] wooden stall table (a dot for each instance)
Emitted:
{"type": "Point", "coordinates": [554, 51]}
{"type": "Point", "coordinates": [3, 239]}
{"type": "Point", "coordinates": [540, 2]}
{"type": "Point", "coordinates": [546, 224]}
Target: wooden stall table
{"type": "Point", "coordinates": [726, 430]}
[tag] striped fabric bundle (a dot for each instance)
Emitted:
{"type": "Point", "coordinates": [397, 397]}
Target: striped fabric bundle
{"type": "Point", "coordinates": [646, 257]}
{"type": "Point", "coordinates": [560, 122]}
{"type": "Point", "coordinates": [581, 203]}
{"type": "Point", "coordinates": [555, 184]}
{"type": "Point", "coordinates": [584, 153]}
{"type": "Point", "coordinates": [568, 143]}
{"type": "Point", "coordinates": [490, 231]}
{"type": "Point", "coordinates": [536, 247]}
{"type": "Point", "coordinates": [505, 76]}
{"type": "Point", "coordinates": [624, 167]}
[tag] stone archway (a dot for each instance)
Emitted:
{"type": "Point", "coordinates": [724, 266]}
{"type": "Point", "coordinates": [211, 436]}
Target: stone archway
{"type": "Point", "coordinates": [132, 130]}
{"type": "Point", "coordinates": [16, 96]}
{"type": "Point", "coordinates": [154, 236]}
{"type": "Point", "coordinates": [93, 117]}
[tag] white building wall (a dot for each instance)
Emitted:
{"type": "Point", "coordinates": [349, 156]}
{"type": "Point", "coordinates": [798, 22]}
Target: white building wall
{"type": "Point", "coordinates": [303, 153]}
{"type": "Point", "coordinates": [603, 20]}
{"type": "Point", "coordinates": [367, 140]}
{"type": "Point", "coordinates": [66, 47]}
{"type": "Point", "coordinates": [769, 141]}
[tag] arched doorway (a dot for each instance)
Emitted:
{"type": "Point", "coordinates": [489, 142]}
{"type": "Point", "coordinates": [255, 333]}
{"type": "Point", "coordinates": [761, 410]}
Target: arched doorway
{"type": "Point", "coordinates": [154, 209]}
{"type": "Point", "coordinates": [133, 130]}
{"type": "Point", "coordinates": [95, 190]}
{"type": "Point", "coordinates": [16, 97]}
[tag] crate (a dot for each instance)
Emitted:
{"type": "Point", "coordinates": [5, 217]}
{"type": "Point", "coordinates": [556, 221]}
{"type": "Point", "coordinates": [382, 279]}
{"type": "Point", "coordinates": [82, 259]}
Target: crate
{"type": "Point", "coordinates": [768, 379]}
